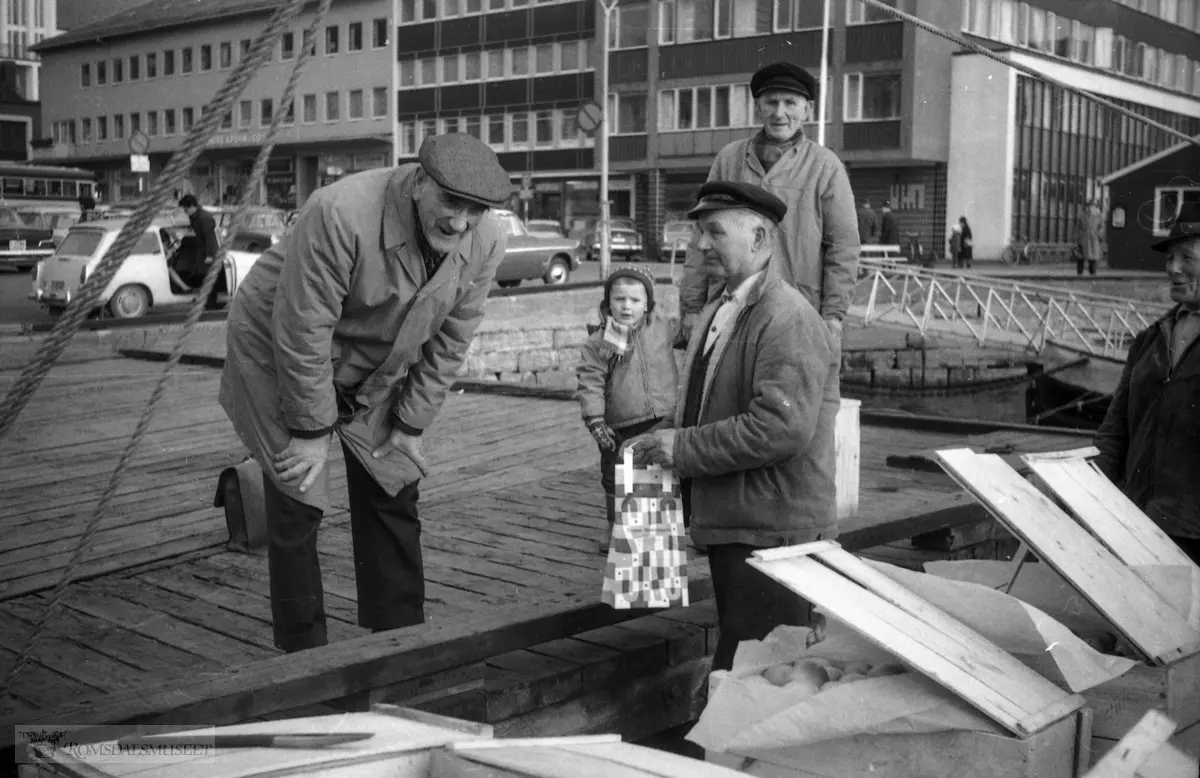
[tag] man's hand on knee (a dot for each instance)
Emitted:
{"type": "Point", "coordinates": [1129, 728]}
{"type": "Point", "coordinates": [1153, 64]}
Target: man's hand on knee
{"type": "Point", "coordinates": [304, 458]}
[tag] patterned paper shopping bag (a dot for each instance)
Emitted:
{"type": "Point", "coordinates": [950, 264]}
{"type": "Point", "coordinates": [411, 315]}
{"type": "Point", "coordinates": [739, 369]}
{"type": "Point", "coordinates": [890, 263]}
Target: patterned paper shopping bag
{"type": "Point", "coordinates": [647, 557]}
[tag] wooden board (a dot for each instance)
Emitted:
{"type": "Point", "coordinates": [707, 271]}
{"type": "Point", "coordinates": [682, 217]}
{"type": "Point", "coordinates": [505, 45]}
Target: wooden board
{"type": "Point", "coordinates": [1113, 518]}
{"type": "Point", "coordinates": [899, 621]}
{"type": "Point", "coordinates": [1133, 750]}
{"type": "Point", "coordinates": [1134, 609]}
{"type": "Point", "coordinates": [1008, 444]}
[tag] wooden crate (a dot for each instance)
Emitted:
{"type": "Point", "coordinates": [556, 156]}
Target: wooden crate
{"type": "Point", "coordinates": [1045, 724]}
{"type": "Point", "coordinates": [1094, 548]}
{"type": "Point", "coordinates": [1145, 753]}
{"type": "Point", "coordinates": [403, 746]}
{"type": "Point", "coordinates": [846, 453]}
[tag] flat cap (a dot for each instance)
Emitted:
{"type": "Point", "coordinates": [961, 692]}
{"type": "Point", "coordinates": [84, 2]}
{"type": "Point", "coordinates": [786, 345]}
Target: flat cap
{"type": "Point", "coordinates": [465, 166]}
{"type": "Point", "coordinates": [723, 195]}
{"type": "Point", "coordinates": [785, 76]}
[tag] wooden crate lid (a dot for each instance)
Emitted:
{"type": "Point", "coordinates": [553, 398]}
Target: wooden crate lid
{"type": "Point", "coordinates": [398, 731]}
{"type": "Point", "coordinates": [594, 756]}
{"type": "Point", "coordinates": [927, 638]}
{"type": "Point", "coordinates": [1100, 506]}
{"type": "Point", "coordinates": [1129, 603]}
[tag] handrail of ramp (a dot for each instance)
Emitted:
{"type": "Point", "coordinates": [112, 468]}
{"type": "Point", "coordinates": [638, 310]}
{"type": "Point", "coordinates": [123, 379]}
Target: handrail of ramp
{"type": "Point", "coordinates": [998, 310]}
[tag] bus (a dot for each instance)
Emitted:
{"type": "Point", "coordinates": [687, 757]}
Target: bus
{"type": "Point", "coordinates": [28, 184]}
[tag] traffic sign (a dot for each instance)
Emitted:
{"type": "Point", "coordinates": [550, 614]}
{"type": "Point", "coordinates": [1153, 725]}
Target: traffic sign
{"type": "Point", "coordinates": [589, 117]}
{"type": "Point", "coordinates": [139, 163]}
{"type": "Point", "coordinates": [525, 194]}
{"type": "Point", "coordinates": [139, 143]}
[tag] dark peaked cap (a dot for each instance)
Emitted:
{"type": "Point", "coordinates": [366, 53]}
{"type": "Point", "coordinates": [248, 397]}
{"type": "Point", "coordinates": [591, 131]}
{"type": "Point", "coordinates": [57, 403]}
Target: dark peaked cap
{"type": "Point", "coordinates": [464, 166]}
{"type": "Point", "coordinates": [786, 76]}
{"type": "Point", "coordinates": [1186, 226]}
{"type": "Point", "coordinates": [724, 195]}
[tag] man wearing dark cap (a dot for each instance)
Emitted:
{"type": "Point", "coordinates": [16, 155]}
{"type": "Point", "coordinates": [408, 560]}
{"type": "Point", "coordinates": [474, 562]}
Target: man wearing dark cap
{"type": "Point", "coordinates": [817, 246]}
{"type": "Point", "coordinates": [355, 324]}
{"type": "Point", "coordinates": [753, 433]}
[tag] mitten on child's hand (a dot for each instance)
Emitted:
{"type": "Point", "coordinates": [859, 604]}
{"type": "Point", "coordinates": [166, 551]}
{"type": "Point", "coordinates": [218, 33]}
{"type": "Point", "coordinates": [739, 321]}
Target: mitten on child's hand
{"type": "Point", "coordinates": [603, 433]}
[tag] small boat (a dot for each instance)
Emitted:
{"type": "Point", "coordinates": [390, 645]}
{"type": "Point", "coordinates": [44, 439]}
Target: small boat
{"type": "Point", "coordinates": [1075, 395]}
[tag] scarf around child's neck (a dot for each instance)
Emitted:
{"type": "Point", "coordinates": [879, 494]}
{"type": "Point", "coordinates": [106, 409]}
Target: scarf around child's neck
{"type": "Point", "coordinates": [617, 336]}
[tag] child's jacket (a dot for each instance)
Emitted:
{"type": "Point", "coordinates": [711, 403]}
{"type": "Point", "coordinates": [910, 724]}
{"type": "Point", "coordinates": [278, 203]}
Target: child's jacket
{"type": "Point", "coordinates": [637, 387]}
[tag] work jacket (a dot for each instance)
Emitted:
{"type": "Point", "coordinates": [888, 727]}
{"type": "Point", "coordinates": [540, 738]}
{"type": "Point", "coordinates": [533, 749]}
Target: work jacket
{"type": "Point", "coordinates": [337, 327]}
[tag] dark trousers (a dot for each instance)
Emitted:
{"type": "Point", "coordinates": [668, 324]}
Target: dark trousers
{"type": "Point", "coordinates": [749, 603]}
{"type": "Point", "coordinates": [609, 460]}
{"type": "Point", "coordinates": [1091, 263]}
{"type": "Point", "coordinates": [388, 570]}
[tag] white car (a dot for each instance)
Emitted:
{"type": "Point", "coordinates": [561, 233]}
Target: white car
{"type": "Point", "coordinates": [141, 284]}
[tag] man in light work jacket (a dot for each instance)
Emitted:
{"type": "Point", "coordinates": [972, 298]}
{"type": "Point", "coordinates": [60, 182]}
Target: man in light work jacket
{"type": "Point", "coordinates": [355, 324]}
{"type": "Point", "coordinates": [817, 244]}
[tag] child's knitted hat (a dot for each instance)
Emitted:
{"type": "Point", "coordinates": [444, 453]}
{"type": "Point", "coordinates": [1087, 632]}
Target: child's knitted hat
{"type": "Point", "coordinates": [637, 273]}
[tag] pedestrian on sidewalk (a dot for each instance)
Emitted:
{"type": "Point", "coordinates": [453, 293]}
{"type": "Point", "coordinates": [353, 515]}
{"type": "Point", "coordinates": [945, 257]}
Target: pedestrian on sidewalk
{"type": "Point", "coordinates": [627, 374]}
{"type": "Point", "coordinates": [956, 238]}
{"type": "Point", "coordinates": [968, 243]}
{"type": "Point", "coordinates": [1089, 238]}
{"type": "Point", "coordinates": [355, 324]}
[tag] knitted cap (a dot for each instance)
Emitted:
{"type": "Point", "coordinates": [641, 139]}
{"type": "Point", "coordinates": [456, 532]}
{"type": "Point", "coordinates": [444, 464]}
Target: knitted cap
{"type": "Point", "coordinates": [637, 273]}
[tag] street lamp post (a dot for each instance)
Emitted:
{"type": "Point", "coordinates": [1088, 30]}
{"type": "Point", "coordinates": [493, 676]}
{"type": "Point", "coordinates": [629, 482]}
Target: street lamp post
{"type": "Point", "coordinates": [824, 75]}
{"type": "Point", "coordinates": [605, 236]}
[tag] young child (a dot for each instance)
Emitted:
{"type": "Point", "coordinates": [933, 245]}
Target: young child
{"type": "Point", "coordinates": [627, 372]}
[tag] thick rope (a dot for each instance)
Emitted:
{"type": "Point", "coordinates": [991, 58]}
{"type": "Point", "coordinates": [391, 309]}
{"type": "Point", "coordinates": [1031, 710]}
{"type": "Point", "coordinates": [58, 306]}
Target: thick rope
{"type": "Point", "coordinates": [978, 49]}
{"type": "Point", "coordinates": [262, 48]}
{"type": "Point", "coordinates": [66, 326]}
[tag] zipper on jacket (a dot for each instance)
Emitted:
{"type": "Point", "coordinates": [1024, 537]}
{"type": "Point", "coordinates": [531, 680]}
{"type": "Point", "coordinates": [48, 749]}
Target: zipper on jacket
{"type": "Point", "coordinates": [637, 344]}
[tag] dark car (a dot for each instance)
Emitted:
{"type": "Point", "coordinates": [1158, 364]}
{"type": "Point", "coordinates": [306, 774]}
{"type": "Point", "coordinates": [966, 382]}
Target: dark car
{"type": "Point", "coordinates": [22, 245]}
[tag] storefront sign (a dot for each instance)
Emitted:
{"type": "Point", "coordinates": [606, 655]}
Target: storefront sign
{"type": "Point", "coordinates": [238, 139]}
{"type": "Point", "coordinates": [907, 197]}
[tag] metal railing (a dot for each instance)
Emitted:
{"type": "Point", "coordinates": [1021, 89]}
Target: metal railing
{"type": "Point", "coordinates": [998, 310]}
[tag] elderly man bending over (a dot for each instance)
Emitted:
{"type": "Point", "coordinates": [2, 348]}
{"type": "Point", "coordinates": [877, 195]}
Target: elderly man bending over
{"type": "Point", "coordinates": [753, 434]}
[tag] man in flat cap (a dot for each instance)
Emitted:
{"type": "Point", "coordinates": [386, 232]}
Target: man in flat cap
{"type": "Point", "coordinates": [752, 438]}
{"type": "Point", "coordinates": [817, 245]}
{"type": "Point", "coordinates": [355, 324]}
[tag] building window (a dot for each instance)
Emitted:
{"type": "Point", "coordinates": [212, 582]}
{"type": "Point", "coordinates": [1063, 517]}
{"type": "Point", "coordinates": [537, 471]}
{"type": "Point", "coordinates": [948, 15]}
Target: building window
{"type": "Point", "coordinates": [871, 97]}
{"type": "Point", "coordinates": [169, 121]}
{"type": "Point", "coordinates": [152, 123]}
{"type": "Point", "coordinates": [309, 109]}
{"type": "Point", "coordinates": [266, 111]}
{"type": "Point", "coordinates": [629, 108]}
{"type": "Point", "coordinates": [85, 75]}
{"type": "Point", "coordinates": [206, 58]}
{"type": "Point", "coordinates": [245, 113]}
{"type": "Point", "coordinates": [408, 139]}
{"type": "Point", "coordinates": [244, 48]}
{"type": "Point", "coordinates": [287, 46]}
{"type": "Point", "coordinates": [544, 58]}
{"type": "Point", "coordinates": [379, 33]}
{"type": "Point", "coordinates": [858, 12]}
{"type": "Point", "coordinates": [408, 73]}
{"type": "Point", "coordinates": [379, 106]}
{"type": "Point", "coordinates": [354, 36]}
{"type": "Point", "coordinates": [135, 68]}
{"type": "Point", "coordinates": [692, 108]}
{"type": "Point", "coordinates": [186, 64]}
{"type": "Point", "coordinates": [495, 130]}
{"type": "Point", "coordinates": [225, 54]}
{"type": "Point", "coordinates": [101, 73]}
{"type": "Point", "coordinates": [449, 8]}
{"type": "Point", "coordinates": [152, 65]}
{"type": "Point", "coordinates": [332, 40]}
{"type": "Point", "coordinates": [472, 69]}
{"type": "Point", "coordinates": [495, 64]}
{"type": "Point", "coordinates": [308, 44]}
{"type": "Point", "coordinates": [450, 69]}
{"type": "Point", "coordinates": [102, 128]}
{"type": "Point", "coordinates": [189, 119]}
{"type": "Point", "coordinates": [520, 130]}
{"type": "Point", "coordinates": [520, 61]}
{"type": "Point", "coordinates": [628, 29]}
{"type": "Point", "coordinates": [118, 126]}
{"type": "Point", "coordinates": [408, 11]}
{"type": "Point", "coordinates": [169, 62]}
{"type": "Point", "coordinates": [1083, 39]}
{"type": "Point", "coordinates": [1168, 201]}
{"type": "Point", "coordinates": [135, 123]}
{"type": "Point", "coordinates": [86, 132]}
{"type": "Point", "coordinates": [333, 106]}
{"type": "Point", "coordinates": [355, 107]}
{"type": "Point", "coordinates": [226, 121]}
{"type": "Point", "coordinates": [289, 118]}
{"type": "Point", "coordinates": [118, 71]}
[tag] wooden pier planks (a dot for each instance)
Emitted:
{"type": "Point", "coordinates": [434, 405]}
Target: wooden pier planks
{"type": "Point", "coordinates": [1107, 583]}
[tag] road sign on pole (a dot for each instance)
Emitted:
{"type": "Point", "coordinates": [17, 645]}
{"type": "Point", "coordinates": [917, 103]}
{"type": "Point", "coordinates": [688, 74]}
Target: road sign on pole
{"type": "Point", "coordinates": [589, 117]}
{"type": "Point", "coordinates": [139, 143]}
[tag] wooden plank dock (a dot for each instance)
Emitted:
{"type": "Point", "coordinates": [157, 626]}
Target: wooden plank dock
{"type": "Point", "coordinates": [165, 624]}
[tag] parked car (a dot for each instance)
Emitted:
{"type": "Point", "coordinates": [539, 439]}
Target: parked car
{"type": "Point", "coordinates": [529, 257]}
{"type": "Point", "coordinates": [140, 285]}
{"type": "Point", "coordinates": [545, 228]}
{"type": "Point", "coordinates": [259, 218]}
{"type": "Point", "coordinates": [677, 234]}
{"type": "Point", "coordinates": [624, 242]}
{"type": "Point", "coordinates": [22, 245]}
{"type": "Point", "coordinates": [59, 219]}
